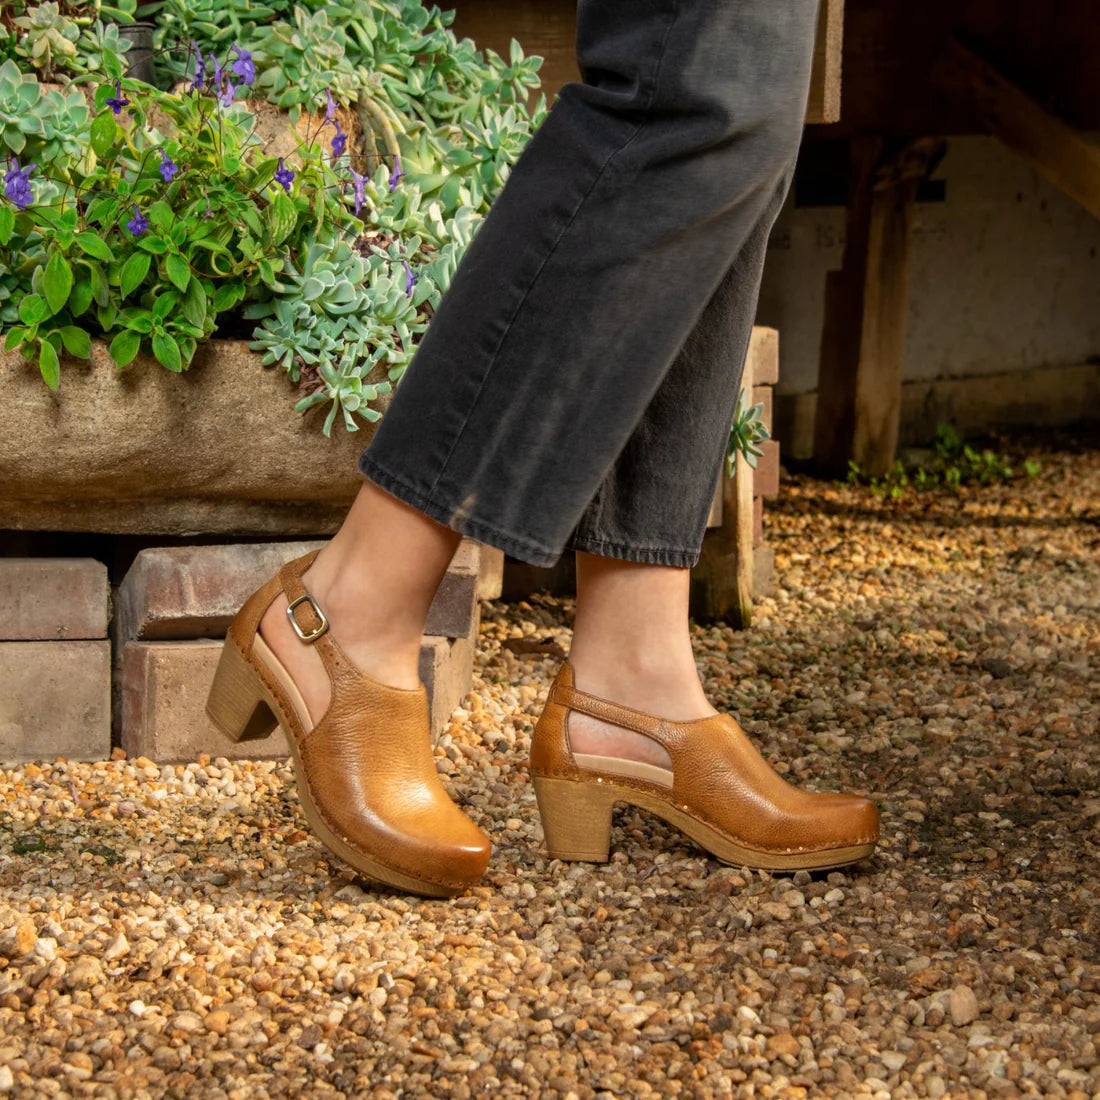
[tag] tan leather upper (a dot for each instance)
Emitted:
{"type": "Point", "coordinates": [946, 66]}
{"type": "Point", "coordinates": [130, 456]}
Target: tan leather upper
{"type": "Point", "coordinates": [718, 776]}
{"type": "Point", "coordinates": [368, 762]}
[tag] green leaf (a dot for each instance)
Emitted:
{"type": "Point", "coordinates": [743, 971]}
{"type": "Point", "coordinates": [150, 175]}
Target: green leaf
{"type": "Point", "coordinates": [80, 298]}
{"type": "Point", "coordinates": [133, 272]}
{"type": "Point", "coordinates": [179, 271]}
{"type": "Point", "coordinates": [140, 320]}
{"type": "Point", "coordinates": [33, 310]}
{"type": "Point", "coordinates": [282, 217]}
{"type": "Point", "coordinates": [14, 338]}
{"type": "Point", "coordinates": [7, 223]}
{"type": "Point", "coordinates": [101, 291]}
{"type": "Point", "coordinates": [94, 245]}
{"type": "Point", "coordinates": [124, 347]}
{"type": "Point", "coordinates": [77, 342]}
{"type": "Point", "coordinates": [57, 281]}
{"type": "Point", "coordinates": [167, 351]}
{"type": "Point", "coordinates": [102, 135]}
{"type": "Point", "coordinates": [227, 296]}
{"type": "Point", "coordinates": [157, 245]}
{"type": "Point", "coordinates": [49, 364]}
{"type": "Point", "coordinates": [164, 305]}
{"type": "Point", "coordinates": [194, 304]}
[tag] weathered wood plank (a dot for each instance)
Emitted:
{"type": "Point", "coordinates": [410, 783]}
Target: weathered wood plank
{"type": "Point", "coordinates": [722, 582]}
{"type": "Point", "coordinates": [825, 80]}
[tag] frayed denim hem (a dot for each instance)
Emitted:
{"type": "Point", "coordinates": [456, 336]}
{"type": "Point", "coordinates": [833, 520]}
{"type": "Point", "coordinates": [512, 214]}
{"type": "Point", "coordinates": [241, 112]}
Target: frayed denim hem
{"type": "Point", "coordinates": [517, 546]}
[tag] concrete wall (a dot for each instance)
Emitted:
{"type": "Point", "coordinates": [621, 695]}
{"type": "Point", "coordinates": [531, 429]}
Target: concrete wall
{"type": "Point", "coordinates": [1004, 277]}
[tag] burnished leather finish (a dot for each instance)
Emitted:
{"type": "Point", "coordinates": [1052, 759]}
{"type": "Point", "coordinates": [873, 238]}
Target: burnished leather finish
{"type": "Point", "coordinates": [366, 776]}
{"type": "Point", "coordinates": [745, 811]}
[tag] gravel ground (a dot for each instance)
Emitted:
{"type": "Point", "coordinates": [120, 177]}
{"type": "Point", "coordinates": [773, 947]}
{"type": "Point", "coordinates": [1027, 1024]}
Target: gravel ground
{"type": "Point", "coordinates": [176, 932]}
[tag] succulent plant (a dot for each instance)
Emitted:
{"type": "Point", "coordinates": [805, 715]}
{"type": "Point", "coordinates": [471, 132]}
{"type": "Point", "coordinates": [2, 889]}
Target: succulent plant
{"type": "Point", "coordinates": [46, 37]}
{"type": "Point", "coordinates": [39, 123]}
{"type": "Point", "coordinates": [747, 432]}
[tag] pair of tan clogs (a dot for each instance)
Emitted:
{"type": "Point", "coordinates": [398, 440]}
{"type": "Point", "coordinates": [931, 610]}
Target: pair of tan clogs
{"type": "Point", "coordinates": [371, 793]}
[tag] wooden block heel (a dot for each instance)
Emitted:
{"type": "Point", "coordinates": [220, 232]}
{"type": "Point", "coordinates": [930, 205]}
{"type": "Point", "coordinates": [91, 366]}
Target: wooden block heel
{"type": "Point", "coordinates": [576, 818]}
{"type": "Point", "coordinates": [236, 704]}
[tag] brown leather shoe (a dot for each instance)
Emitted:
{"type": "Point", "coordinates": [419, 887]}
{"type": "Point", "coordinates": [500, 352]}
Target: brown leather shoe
{"type": "Point", "coordinates": [720, 791]}
{"type": "Point", "coordinates": [366, 777]}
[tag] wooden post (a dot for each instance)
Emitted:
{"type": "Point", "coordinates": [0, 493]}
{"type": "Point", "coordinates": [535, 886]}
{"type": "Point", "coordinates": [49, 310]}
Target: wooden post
{"type": "Point", "coordinates": [863, 340]}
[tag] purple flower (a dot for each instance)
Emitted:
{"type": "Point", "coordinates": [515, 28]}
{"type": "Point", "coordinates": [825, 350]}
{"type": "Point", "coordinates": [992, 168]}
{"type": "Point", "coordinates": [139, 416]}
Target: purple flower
{"type": "Point", "coordinates": [117, 102]}
{"type": "Point", "coordinates": [339, 143]}
{"type": "Point", "coordinates": [244, 66]}
{"type": "Point", "coordinates": [396, 174]}
{"type": "Point", "coordinates": [208, 213]}
{"type": "Point", "coordinates": [139, 223]}
{"type": "Point", "coordinates": [330, 108]}
{"type": "Point", "coordinates": [360, 185]}
{"type": "Point", "coordinates": [226, 97]}
{"type": "Point", "coordinates": [200, 69]}
{"type": "Point", "coordinates": [284, 175]}
{"type": "Point", "coordinates": [17, 186]}
{"type": "Point", "coordinates": [410, 279]}
{"type": "Point", "coordinates": [167, 168]}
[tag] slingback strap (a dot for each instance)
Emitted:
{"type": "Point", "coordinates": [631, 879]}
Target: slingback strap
{"type": "Point", "coordinates": [563, 692]}
{"type": "Point", "coordinates": [310, 622]}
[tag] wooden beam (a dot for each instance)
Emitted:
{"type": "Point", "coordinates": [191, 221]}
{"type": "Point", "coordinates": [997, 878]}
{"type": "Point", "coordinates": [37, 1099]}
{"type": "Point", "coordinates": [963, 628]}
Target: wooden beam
{"type": "Point", "coordinates": [824, 103]}
{"type": "Point", "coordinates": [1065, 156]}
{"type": "Point", "coordinates": [863, 340]}
{"type": "Point", "coordinates": [548, 28]}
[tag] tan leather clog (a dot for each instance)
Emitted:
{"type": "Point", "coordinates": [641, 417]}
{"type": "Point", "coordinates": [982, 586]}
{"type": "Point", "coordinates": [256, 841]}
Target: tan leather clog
{"type": "Point", "coordinates": [366, 776]}
{"type": "Point", "coordinates": [720, 791]}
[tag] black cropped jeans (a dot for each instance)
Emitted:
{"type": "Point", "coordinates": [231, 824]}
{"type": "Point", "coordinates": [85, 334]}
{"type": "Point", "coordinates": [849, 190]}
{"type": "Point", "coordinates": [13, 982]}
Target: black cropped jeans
{"type": "Point", "coordinates": [577, 384]}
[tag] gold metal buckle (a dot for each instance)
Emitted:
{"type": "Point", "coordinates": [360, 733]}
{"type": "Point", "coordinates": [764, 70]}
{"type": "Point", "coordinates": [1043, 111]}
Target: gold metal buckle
{"type": "Point", "coordinates": [313, 634]}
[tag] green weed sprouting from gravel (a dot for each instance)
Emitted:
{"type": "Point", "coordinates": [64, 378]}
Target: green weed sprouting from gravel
{"type": "Point", "coordinates": [950, 463]}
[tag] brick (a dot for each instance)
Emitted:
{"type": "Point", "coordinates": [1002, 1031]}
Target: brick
{"type": "Point", "coordinates": [162, 689]}
{"type": "Point", "coordinates": [766, 480]}
{"type": "Point", "coordinates": [763, 358]}
{"type": "Point", "coordinates": [182, 592]}
{"type": "Point", "coordinates": [454, 605]}
{"type": "Point", "coordinates": [762, 395]}
{"type": "Point", "coordinates": [763, 571]}
{"type": "Point", "coordinates": [43, 599]}
{"type": "Point", "coordinates": [491, 574]}
{"type": "Point", "coordinates": [446, 667]}
{"type": "Point", "coordinates": [55, 700]}
{"type": "Point", "coordinates": [757, 520]}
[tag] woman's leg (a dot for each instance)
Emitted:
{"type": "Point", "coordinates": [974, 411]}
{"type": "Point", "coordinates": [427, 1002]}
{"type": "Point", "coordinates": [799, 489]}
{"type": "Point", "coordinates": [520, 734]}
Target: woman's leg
{"type": "Point", "coordinates": [580, 374]}
{"type": "Point", "coordinates": [596, 263]}
{"type": "Point", "coordinates": [375, 579]}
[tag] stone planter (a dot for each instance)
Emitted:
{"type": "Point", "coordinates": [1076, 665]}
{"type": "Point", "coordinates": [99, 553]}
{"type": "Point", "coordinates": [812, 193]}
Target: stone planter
{"type": "Point", "coordinates": [216, 450]}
